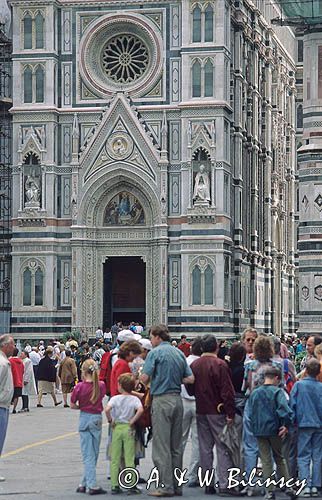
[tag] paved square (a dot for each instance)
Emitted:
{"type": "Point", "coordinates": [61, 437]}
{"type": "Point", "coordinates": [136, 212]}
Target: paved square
{"type": "Point", "coordinates": [42, 459]}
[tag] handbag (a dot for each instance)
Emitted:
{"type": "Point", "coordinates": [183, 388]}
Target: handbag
{"type": "Point", "coordinates": [145, 421]}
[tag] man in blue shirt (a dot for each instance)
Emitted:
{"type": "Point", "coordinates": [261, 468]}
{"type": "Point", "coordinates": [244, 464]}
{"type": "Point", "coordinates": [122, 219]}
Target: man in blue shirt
{"type": "Point", "coordinates": [166, 367]}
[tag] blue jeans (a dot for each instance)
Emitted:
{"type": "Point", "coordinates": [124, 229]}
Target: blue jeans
{"type": "Point", "coordinates": [309, 448]}
{"type": "Point", "coordinates": [250, 445]}
{"type": "Point", "coordinates": [90, 431]}
{"type": "Point", "coordinates": [290, 450]}
{"type": "Point", "coordinates": [4, 417]}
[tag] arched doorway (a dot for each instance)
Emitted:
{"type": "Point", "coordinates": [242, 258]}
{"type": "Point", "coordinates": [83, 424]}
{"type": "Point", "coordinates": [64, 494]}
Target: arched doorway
{"type": "Point", "coordinates": [124, 295]}
{"type": "Point", "coordinates": [119, 242]}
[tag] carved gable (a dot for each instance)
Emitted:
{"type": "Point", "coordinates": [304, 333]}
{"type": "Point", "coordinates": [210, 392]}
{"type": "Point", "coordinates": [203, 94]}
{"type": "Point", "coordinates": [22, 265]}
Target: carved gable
{"type": "Point", "coordinates": [120, 136]}
{"type": "Point", "coordinates": [202, 135]}
{"type": "Point", "coordinates": [31, 140]}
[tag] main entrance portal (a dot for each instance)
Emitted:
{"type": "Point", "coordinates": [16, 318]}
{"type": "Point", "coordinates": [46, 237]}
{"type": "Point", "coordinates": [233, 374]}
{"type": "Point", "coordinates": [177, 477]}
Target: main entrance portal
{"type": "Point", "coordinates": [124, 290]}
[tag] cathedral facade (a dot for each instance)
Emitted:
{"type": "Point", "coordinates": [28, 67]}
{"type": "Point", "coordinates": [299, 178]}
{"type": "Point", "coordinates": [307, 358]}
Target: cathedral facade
{"type": "Point", "coordinates": [153, 166]}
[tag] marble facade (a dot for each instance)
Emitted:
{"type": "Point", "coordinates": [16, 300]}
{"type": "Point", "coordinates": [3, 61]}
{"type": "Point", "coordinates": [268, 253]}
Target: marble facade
{"type": "Point", "coordinates": [133, 97]}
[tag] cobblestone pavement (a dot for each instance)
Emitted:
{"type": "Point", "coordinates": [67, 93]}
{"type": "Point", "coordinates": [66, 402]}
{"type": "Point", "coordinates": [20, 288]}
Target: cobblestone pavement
{"type": "Point", "coordinates": [42, 460]}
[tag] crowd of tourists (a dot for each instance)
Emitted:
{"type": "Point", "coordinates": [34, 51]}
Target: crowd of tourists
{"type": "Point", "coordinates": [251, 407]}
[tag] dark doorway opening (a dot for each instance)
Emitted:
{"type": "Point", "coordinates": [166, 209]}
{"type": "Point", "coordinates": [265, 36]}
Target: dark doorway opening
{"type": "Point", "coordinates": [124, 290]}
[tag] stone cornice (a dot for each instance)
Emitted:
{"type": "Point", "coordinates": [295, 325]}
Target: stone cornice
{"type": "Point", "coordinates": [30, 109]}
{"type": "Point", "coordinates": [100, 3]}
{"type": "Point", "coordinates": [202, 104]}
{"type": "Point", "coordinates": [32, 3]}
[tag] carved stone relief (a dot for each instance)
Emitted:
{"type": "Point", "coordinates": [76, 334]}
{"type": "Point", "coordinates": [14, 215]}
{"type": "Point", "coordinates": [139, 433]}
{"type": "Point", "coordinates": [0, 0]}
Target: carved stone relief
{"type": "Point", "coordinates": [318, 292]}
{"type": "Point", "coordinates": [318, 202]}
{"type": "Point", "coordinates": [305, 292]}
{"type": "Point", "coordinates": [305, 202]}
{"type": "Point", "coordinates": [119, 145]}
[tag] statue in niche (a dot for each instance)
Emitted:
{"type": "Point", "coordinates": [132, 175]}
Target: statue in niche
{"type": "Point", "coordinates": [201, 192]}
{"type": "Point", "coordinates": [32, 189]}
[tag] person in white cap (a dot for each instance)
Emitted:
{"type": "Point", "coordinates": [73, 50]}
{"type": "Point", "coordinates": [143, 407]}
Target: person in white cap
{"type": "Point", "coordinates": [147, 346]}
{"type": "Point", "coordinates": [138, 362]}
{"type": "Point", "coordinates": [126, 334]}
{"type": "Point", "coordinates": [123, 336]}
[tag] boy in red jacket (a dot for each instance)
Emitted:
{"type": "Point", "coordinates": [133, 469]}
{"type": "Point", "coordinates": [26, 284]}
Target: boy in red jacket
{"type": "Point", "coordinates": [17, 369]}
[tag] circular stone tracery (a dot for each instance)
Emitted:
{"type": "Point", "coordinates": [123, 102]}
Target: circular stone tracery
{"type": "Point", "coordinates": [125, 58]}
{"type": "Point", "coordinates": [122, 52]}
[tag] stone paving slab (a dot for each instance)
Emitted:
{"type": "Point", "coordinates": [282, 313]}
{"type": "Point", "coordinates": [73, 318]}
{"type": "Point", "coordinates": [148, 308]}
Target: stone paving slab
{"type": "Point", "coordinates": [42, 460]}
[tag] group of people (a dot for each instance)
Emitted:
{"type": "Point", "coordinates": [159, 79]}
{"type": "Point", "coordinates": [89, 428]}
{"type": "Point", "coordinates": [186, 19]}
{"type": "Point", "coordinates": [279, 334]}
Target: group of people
{"type": "Point", "coordinates": [109, 335]}
{"type": "Point", "coordinates": [239, 403]}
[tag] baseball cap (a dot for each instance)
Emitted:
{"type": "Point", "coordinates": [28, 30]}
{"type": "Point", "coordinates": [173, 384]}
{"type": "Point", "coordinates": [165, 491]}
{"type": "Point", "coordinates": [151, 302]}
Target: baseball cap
{"type": "Point", "coordinates": [125, 335]}
{"type": "Point", "coordinates": [146, 344]}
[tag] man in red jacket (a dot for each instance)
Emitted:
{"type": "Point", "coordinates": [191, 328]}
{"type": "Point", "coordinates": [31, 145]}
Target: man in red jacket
{"type": "Point", "coordinates": [184, 346]}
{"type": "Point", "coordinates": [17, 369]}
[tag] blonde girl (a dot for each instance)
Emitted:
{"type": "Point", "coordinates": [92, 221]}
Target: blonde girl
{"type": "Point", "coordinates": [87, 397]}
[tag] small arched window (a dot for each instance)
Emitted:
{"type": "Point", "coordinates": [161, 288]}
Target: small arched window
{"type": "Point", "coordinates": [27, 287]}
{"type": "Point", "coordinates": [33, 285]}
{"type": "Point", "coordinates": [39, 29]}
{"type": "Point", "coordinates": [209, 286]}
{"type": "Point", "coordinates": [196, 286]}
{"type": "Point", "coordinates": [209, 79]}
{"type": "Point", "coordinates": [34, 84]}
{"type": "Point", "coordinates": [33, 25]}
{"type": "Point", "coordinates": [226, 280]}
{"type": "Point", "coordinates": [209, 24]}
{"type": "Point", "coordinates": [196, 21]}
{"type": "Point", "coordinates": [39, 84]}
{"type": "Point", "coordinates": [27, 31]}
{"type": "Point", "coordinates": [27, 85]}
{"type": "Point", "coordinates": [196, 79]}
{"type": "Point", "coordinates": [55, 84]}
{"type": "Point", "coordinates": [299, 116]}
{"type": "Point", "coordinates": [202, 284]}
{"type": "Point", "coordinates": [39, 290]}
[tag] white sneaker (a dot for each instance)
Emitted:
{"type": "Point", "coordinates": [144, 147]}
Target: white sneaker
{"type": "Point", "coordinates": [2, 479]}
{"type": "Point", "coordinates": [306, 492]}
{"type": "Point", "coordinates": [314, 492]}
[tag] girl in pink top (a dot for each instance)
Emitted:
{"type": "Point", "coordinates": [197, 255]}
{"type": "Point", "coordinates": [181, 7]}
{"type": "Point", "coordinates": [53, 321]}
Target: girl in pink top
{"type": "Point", "coordinates": [87, 397]}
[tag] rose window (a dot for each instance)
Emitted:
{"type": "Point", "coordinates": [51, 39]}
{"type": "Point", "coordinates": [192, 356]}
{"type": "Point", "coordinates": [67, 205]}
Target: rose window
{"type": "Point", "coordinates": [121, 53]}
{"type": "Point", "coordinates": [125, 58]}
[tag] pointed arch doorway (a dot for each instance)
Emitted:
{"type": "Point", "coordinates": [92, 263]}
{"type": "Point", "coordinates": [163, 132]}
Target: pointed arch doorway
{"type": "Point", "coordinates": [124, 290]}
